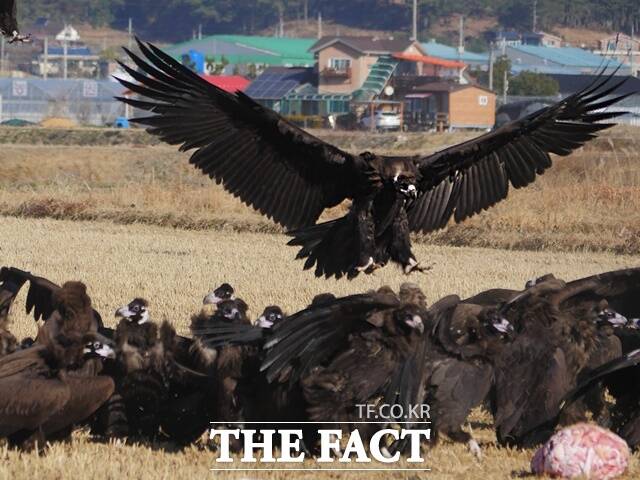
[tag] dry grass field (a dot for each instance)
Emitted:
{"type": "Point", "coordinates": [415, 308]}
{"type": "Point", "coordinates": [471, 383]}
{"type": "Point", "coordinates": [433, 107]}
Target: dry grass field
{"type": "Point", "coordinates": [101, 214]}
{"type": "Point", "coordinates": [589, 201]}
{"type": "Point", "coordinates": [174, 268]}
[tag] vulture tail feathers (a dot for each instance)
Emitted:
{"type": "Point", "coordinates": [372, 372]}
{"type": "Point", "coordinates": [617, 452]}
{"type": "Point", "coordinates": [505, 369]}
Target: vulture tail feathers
{"type": "Point", "coordinates": [330, 246]}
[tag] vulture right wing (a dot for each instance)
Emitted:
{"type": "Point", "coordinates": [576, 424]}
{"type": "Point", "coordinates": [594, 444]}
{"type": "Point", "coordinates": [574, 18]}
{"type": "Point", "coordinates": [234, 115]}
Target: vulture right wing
{"type": "Point", "coordinates": [39, 296]}
{"type": "Point", "coordinates": [277, 168]}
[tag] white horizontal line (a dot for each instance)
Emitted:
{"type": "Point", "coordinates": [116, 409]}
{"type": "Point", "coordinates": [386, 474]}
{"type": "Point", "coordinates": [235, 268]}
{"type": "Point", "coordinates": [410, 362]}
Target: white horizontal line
{"type": "Point", "coordinates": [320, 469]}
{"type": "Point", "coordinates": [311, 423]}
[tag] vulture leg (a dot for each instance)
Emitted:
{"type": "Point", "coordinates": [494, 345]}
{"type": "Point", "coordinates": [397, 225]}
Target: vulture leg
{"type": "Point", "coordinates": [366, 235]}
{"type": "Point", "coordinates": [401, 244]}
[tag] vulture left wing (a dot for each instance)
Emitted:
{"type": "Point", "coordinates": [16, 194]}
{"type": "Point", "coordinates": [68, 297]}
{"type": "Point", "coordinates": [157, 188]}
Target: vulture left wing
{"type": "Point", "coordinates": [620, 288]}
{"type": "Point", "coordinates": [222, 333]}
{"type": "Point", "coordinates": [312, 335]}
{"type": "Point", "coordinates": [465, 179]}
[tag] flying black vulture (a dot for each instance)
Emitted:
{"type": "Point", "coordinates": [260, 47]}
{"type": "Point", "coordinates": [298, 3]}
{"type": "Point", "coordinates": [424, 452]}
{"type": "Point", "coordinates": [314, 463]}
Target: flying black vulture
{"type": "Point", "coordinates": [292, 177]}
{"type": "Point", "coordinates": [9, 22]}
{"type": "Point", "coordinates": [562, 331]}
{"type": "Point", "coordinates": [46, 389]}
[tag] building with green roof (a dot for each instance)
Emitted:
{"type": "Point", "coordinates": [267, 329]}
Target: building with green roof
{"type": "Point", "coordinates": [235, 50]}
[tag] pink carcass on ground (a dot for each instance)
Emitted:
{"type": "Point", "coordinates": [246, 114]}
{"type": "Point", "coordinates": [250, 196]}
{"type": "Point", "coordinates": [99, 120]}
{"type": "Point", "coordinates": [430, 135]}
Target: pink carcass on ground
{"type": "Point", "coordinates": [582, 450]}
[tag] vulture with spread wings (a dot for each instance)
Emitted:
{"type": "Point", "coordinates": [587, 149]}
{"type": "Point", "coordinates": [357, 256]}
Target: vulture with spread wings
{"type": "Point", "coordinates": [9, 22]}
{"type": "Point", "coordinates": [291, 176]}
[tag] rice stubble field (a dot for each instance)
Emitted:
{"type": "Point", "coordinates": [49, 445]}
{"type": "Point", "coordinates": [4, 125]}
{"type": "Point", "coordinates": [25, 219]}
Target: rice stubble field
{"type": "Point", "coordinates": [137, 221]}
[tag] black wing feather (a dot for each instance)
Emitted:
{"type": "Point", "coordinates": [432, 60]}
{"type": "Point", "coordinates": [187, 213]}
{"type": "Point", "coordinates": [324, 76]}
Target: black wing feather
{"type": "Point", "coordinates": [521, 149]}
{"type": "Point", "coordinates": [240, 143]}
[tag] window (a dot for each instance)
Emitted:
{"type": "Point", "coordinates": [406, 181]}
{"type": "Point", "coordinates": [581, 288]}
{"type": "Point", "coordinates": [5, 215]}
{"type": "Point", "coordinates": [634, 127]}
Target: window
{"type": "Point", "coordinates": [340, 64]}
{"type": "Point", "coordinates": [483, 100]}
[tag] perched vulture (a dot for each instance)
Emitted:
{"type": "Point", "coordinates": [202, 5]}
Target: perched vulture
{"type": "Point", "coordinates": [9, 22]}
{"type": "Point", "coordinates": [563, 332]}
{"type": "Point", "coordinates": [464, 340]}
{"type": "Point", "coordinates": [291, 176]}
{"type": "Point", "coordinates": [156, 393]}
{"type": "Point", "coordinates": [355, 350]}
{"type": "Point", "coordinates": [259, 401]}
{"type": "Point", "coordinates": [48, 388]}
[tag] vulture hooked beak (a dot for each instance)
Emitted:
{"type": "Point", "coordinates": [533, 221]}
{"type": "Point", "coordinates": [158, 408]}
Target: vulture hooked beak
{"type": "Point", "coordinates": [416, 323]}
{"type": "Point", "coordinates": [263, 322]}
{"type": "Point", "coordinates": [502, 325]}
{"type": "Point", "coordinates": [613, 317]}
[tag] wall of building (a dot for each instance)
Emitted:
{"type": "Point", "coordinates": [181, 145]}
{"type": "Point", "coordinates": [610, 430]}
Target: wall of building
{"type": "Point", "coordinates": [472, 107]}
{"type": "Point", "coordinates": [340, 85]}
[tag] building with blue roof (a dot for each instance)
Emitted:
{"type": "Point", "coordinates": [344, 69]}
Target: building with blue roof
{"type": "Point", "coordinates": [560, 60]}
{"type": "Point", "coordinates": [447, 52]}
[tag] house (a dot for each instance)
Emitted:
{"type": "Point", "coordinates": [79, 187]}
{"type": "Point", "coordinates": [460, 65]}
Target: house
{"type": "Point", "coordinates": [541, 39]}
{"type": "Point", "coordinates": [224, 54]}
{"type": "Point", "coordinates": [346, 63]}
{"type": "Point", "coordinates": [81, 62]}
{"type": "Point", "coordinates": [228, 83]}
{"type": "Point", "coordinates": [501, 37]}
{"type": "Point", "coordinates": [275, 83]}
{"type": "Point", "coordinates": [561, 60]}
{"type": "Point", "coordinates": [449, 105]}
{"type": "Point", "coordinates": [623, 48]}
{"type": "Point", "coordinates": [569, 84]}
{"type": "Point", "coordinates": [439, 50]}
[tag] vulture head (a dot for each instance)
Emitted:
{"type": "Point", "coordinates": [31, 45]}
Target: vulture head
{"type": "Point", "coordinates": [270, 317]}
{"type": "Point", "coordinates": [223, 292]}
{"type": "Point", "coordinates": [407, 320]}
{"type": "Point", "coordinates": [135, 312]}
{"type": "Point", "coordinates": [97, 346]}
{"type": "Point", "coordinates": [611, 317]}
{"type": "Point", "coordinates": [232, 311]}
{"type": "Point", "coordinates": [403, 174]}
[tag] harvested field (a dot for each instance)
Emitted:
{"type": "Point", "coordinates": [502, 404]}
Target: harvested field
{"type": "Point", "coordinates": [589, 201]}
{"type": "Point", "coordinates": [174, 268]}
{"type": "Point", "coordinates": [95, 204]}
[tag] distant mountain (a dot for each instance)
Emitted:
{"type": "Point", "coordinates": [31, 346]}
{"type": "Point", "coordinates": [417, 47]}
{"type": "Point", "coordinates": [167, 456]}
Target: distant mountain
{"type": "Point", "coordinates": [173, 20]}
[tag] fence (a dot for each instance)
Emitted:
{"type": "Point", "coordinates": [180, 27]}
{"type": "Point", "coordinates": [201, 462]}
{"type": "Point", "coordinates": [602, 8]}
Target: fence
{"type": "Point", "coordinates": [89, 102]}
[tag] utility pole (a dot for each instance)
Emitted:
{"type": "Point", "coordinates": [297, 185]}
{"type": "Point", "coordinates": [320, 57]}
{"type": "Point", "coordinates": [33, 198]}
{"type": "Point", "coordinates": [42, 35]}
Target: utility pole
{"type": "Point", "coordinates": [65, 58]}
{"type": "Point", "coordinates": [2, 54]}
{"type": "Point", "coordinates": [461, 36]}
{"type": "Point", "coordinates": [46, 57]}
{"type": "Point", "coordinates": [130, 29]}
{"type": "Point", "coordinates": [306, 12]}
{"type": "Point", "coordinates": [414, 37]}
{"type": "Point", "coordinates": [319, 25]}
{"type": "Point", "coordinates": [633, 73]}
{"type": "Point", "coordinates": [491, 67]}
{"type": "Point", "coordinates": [535, 16]}
{"type": "Point", "coordinates": [505, 86]}
{"type": "Point", "coordinates": [199, 31]}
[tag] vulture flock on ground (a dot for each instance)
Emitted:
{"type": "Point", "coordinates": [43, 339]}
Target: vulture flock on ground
{"type": "Point", "coordinates": [535, 358]}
